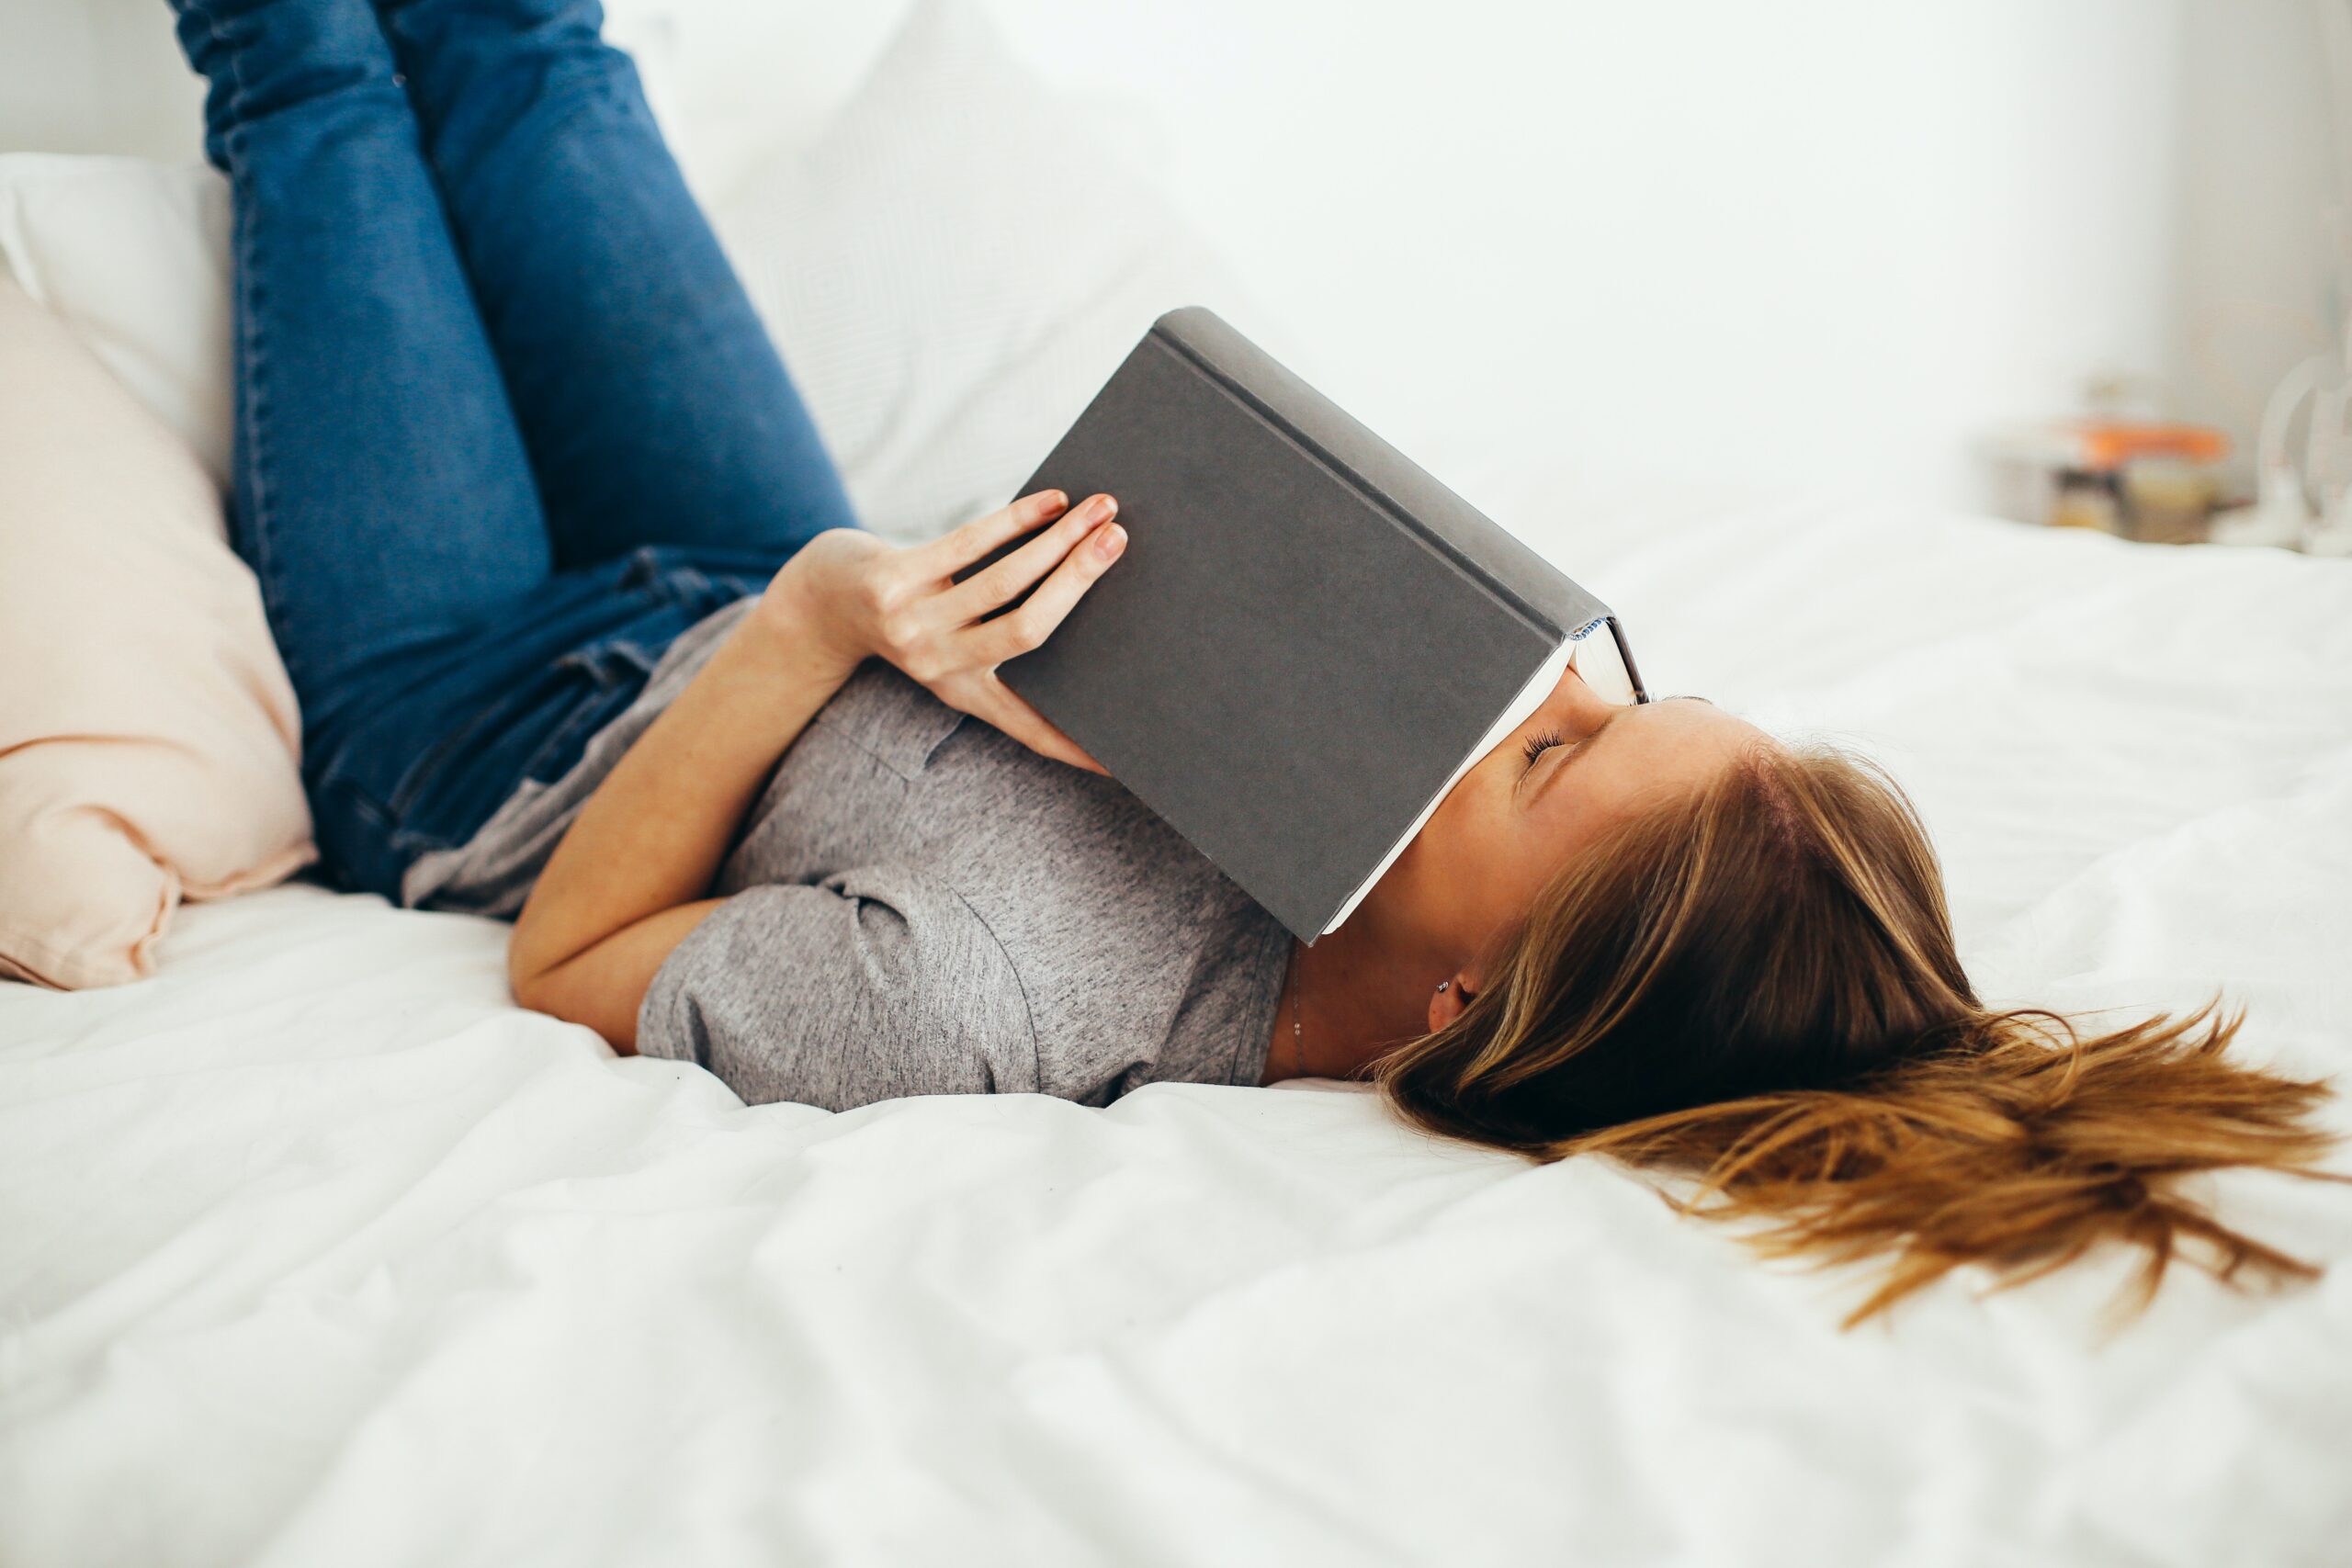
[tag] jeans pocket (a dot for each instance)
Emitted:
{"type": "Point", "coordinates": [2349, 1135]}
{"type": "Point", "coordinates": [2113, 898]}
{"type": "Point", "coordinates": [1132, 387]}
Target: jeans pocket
{"type": "Point", "coordinates": [489, 720]}
{"type": "Point", "coordinates": [612, 676]}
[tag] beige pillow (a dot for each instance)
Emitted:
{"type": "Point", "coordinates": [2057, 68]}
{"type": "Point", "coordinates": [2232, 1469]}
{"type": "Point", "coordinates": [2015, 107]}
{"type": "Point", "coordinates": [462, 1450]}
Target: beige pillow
{"type": "Point", "coordinates": [148, 735]}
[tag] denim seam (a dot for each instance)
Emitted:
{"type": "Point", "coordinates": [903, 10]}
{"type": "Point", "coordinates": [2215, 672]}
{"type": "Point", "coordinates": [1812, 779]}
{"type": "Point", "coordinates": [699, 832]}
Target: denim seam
{"type": "Point", "coordinates": [253, 394]}
{"type": "Point", "coordinates": [249, 388]}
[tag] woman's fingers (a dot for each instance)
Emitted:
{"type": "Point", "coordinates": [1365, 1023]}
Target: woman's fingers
{"type": "Point", "coordinates": [1030, 623]}
{"type": "Point", "coordinates": [953, 551]}
{"type": "Point", "coordinates": [984, 593]}
{"type": "Point", "coordinates": [1009, 712]}
{"type": "Point", "coordinates": [938, 630]}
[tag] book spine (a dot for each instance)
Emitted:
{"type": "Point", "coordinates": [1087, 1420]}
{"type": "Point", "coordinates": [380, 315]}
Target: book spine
{"type": "Point", "coordinates": [1528, 586]}
{"type": "Point", "coordinates": [1205, 341]}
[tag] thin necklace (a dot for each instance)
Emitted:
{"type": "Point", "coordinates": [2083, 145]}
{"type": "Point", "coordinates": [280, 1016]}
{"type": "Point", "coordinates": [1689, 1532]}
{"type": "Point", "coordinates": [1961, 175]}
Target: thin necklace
{"type": "Point", "coordinates": [1297, 1030]}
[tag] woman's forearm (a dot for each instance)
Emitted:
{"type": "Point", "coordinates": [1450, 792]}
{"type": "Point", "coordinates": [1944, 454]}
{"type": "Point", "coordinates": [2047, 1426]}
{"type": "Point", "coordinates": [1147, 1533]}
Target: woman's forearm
{"type": "Point", "coordinates": [627, 882]}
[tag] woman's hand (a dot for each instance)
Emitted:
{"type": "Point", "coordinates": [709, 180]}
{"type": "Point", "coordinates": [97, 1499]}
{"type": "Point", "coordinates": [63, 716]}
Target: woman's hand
{"type": "Point", "coordinates": [863, 597]}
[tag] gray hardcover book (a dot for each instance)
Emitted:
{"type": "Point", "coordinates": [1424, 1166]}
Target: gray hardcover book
{"type": "Point", "coordinates": [1308, 639]}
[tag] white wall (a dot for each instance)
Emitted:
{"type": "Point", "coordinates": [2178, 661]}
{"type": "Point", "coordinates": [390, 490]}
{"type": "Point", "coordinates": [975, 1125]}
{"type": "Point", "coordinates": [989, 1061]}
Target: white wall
{"type": "Point", "coordinates": [93, 76]}
{"type": "Point", "coordinates": [1689, 248]}
{"type": "Point", "coordinates": [2258, 215]}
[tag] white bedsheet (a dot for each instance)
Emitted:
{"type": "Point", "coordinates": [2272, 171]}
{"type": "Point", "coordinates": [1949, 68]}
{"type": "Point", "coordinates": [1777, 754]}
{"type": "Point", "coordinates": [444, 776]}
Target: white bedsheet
{"type": "Point", "coordinates": [314, 1250]}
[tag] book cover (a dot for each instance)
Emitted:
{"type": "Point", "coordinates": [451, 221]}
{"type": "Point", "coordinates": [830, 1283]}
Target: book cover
{"type": "Point", "coordinates": [1308, 638]}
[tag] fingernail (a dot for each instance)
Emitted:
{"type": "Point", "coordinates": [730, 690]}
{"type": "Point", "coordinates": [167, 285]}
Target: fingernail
{"type": "Point", "coordinates": [1112, 540]}
{"type": "Point", "coordinates": [1055, 500]}
{"type": "Point", "coordinates": [1104, 507]}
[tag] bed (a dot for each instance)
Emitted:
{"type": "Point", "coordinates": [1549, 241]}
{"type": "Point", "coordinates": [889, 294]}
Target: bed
{"type": "Point", "coordinates": [313, 1248]}
{"type": "Point", "coordinates": [316, 1250]}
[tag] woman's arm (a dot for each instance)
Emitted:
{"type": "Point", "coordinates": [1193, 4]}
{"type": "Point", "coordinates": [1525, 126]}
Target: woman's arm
{"type": "Point", "coordinates": [627, 882]}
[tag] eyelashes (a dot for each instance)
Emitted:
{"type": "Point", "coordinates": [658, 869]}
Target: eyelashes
{"type": "Point", "coordinates": [1539, 743]}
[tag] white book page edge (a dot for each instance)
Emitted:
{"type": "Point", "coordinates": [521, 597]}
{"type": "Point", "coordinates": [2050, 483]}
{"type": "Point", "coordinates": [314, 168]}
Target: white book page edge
{"type": "Point", "coordinates": [1594, 654]}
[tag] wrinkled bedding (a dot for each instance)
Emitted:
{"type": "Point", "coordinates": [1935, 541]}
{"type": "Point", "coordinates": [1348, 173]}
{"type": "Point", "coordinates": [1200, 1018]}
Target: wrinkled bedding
{"type": "Point", "coordinates": [313, 1249]}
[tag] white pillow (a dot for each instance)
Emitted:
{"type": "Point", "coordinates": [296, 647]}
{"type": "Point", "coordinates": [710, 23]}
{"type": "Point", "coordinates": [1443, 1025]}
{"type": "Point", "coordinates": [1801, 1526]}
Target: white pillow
{"type": "Point", "coordinates": [956, 265]}
{"type": "Point", "coordinates": [133, 257]}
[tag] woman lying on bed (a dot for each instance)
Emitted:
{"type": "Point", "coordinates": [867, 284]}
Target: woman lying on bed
{"type": "Point", "coordinates": [583, 626]}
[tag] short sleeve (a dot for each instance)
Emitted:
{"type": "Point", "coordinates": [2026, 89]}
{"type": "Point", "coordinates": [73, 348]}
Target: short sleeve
{"type": "Point", "coordinates": [870, 984]}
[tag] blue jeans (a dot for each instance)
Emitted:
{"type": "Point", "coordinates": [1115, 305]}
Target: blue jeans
{"type": "Point", "coordinates": [506, 424]}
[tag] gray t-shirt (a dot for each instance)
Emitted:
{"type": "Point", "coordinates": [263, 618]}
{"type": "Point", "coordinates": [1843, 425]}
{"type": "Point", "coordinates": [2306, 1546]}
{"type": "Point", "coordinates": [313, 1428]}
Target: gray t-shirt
{"type": "Point", "coordinates": [920, 905]}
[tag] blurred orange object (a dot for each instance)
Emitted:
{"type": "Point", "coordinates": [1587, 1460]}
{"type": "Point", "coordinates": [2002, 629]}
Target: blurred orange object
{"type": "Point", "coordinates": [2104, 443]}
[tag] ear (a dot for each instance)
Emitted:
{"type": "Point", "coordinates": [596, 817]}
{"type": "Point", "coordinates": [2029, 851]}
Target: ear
{"type": "Point", "coordinates": [1448, 1000]}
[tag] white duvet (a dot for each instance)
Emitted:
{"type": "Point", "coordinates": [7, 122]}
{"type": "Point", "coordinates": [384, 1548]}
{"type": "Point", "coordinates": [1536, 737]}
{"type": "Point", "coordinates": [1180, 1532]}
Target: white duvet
{"type": "Point", "coordinates": [315, 1250]}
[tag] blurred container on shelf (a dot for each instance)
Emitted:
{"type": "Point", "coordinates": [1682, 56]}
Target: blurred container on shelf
{"type": "Point", "coordinates": [2149, 480]}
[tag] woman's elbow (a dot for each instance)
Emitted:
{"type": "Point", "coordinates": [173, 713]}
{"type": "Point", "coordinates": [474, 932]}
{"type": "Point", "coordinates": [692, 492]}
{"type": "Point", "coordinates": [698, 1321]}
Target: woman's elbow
{"type": "Point", "coordinates": [530, 988]}
{"type": "Point", "coordinates": [528, 972]}
{"type": "Point", "coordinates": [540, 985]}
{"type": "Point", "coordinates": [564, 992]}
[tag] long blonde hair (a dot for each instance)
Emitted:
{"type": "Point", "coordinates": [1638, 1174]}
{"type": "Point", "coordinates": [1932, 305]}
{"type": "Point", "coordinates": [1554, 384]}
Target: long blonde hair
{"type": "Point", "coordinates": [1760, 985]}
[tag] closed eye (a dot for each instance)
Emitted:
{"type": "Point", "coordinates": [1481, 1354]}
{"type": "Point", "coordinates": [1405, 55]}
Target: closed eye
{"type": "Point", "coordinates": [1539, 743]}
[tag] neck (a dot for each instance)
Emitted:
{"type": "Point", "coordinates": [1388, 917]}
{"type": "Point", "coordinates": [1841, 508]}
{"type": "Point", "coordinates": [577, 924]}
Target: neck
{"type": "Point", "coordinates": [1355, 994]}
